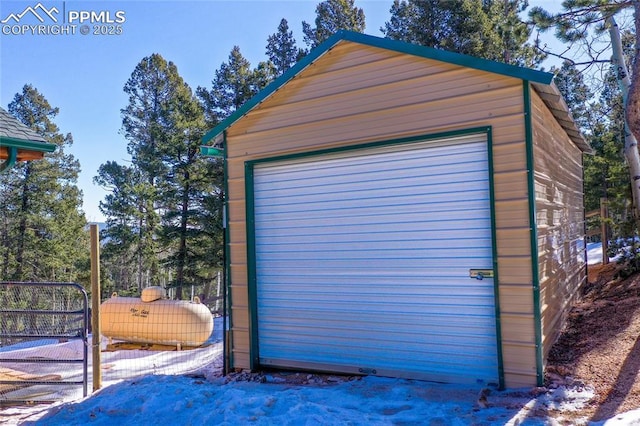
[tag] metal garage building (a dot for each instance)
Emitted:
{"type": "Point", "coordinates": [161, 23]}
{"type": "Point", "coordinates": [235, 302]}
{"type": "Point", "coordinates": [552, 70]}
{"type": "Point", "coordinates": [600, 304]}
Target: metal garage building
{"type": "Point", "coordinates": [402, 211]}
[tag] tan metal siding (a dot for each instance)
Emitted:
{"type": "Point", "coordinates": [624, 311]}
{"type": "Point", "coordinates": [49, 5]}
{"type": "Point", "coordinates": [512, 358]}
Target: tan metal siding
{"type": "Point", "coordinates": [330, 105]}
{"type": "Point", "coordinates": [560, 220]}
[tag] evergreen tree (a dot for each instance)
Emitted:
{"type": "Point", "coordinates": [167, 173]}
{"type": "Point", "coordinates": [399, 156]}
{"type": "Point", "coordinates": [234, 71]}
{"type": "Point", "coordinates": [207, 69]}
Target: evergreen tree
{"type": "Point", "coordinates": [123, 250]}
{"type": "Point", "coordinates": [263, 74]}
{"type": "Point", "coordinates": [232, 86]}
{"type": "Point", "coordinates": [332, 16]}
{"type": "Point", "coordinates": [490, 29]}
{"type": "Point", "coordinates": [42, 204]}
{"type": "Point", "coordinates": [184, 189]}
{"type": "Point", "coordinates": [576, 93]}
{"type": "Point", "coordinates": [282, 50]}
{"type": "Point", "coordinates": [574, 25]}
{"type": "Point", "coordinates": [145, 121]}
{"type": "Point", "coordinates": [158, 206]}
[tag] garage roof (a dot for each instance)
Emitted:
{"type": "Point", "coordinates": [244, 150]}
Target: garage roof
{"type": "Point", "coordinates": [541, 81]}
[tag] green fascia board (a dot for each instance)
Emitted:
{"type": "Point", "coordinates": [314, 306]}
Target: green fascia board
{"type": "Point", "coordinates": [531, 75]}
{"type": "Point", "coordinates": [27, 145]}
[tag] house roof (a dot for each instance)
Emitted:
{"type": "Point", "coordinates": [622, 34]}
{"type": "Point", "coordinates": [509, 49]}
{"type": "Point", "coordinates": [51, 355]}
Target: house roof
{"type": "Point", "coordinates": [18, 142]}
{"type": "Point", "coordinates": [541, 81]}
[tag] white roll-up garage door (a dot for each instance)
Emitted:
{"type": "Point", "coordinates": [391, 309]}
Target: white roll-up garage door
{"type": "Point", "coordinates": [362, 262]}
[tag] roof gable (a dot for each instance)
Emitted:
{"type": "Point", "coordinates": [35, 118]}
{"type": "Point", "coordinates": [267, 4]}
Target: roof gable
{"type": "Point", "coordinates": [541, 81]}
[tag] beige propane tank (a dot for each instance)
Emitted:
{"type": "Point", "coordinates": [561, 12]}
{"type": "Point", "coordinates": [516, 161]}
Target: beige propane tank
{"type": "Point", "coordinates": [153, 319]}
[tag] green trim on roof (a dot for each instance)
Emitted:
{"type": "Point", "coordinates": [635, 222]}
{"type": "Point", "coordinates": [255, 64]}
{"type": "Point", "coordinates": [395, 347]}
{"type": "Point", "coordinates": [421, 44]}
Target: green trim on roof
{"type": "Point", "coordinates": [27, 145]}
{"type": "Point", "coordinates": [383, 43]}
{"type": "Point", "coordinates": [11, 161]}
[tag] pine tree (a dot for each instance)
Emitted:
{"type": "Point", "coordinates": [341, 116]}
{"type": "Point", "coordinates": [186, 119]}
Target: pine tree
{"type": "Point", "coordinates": [42, 202]}
{"type": "Point", "coordinates": [576, 93]}
{"type": "Point", "coordinates": [232, 86]}
{"type": "Point", "coordinates": [574, 26]}
{"type": "Point", "coordinates": [282, 50]}
{"type": "Point", "coordinates": [158, 206]}
{"type": "Point", "coordinates": [183, 190]}
{"type": "Point", "coordinates": [144, 123]}
{"type": "Point", "coordinates": [331, 16]}
{"type": "Point", "coordinates": [490, 29]}
{"type": "Point", "coordinates": [123, 250]}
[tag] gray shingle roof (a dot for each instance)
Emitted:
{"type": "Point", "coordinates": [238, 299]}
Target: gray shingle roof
{"type": "Point", "coordinates": [12, 128]}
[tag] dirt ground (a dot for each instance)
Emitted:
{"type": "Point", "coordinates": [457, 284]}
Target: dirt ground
{"type": "Point", "coordinates": [600, 346]}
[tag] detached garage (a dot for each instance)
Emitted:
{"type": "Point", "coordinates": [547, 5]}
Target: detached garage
{"type": "Point", "coordinates": [402, 211]}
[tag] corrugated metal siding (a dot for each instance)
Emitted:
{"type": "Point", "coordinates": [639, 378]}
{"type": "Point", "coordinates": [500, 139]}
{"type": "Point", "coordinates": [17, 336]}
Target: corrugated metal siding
{"type": "Point", "coordinates": [560, 220]}
{"type": "Point", "coordinates": [362, 262]}
{"type": "Point", "coordinates": [495, 101]}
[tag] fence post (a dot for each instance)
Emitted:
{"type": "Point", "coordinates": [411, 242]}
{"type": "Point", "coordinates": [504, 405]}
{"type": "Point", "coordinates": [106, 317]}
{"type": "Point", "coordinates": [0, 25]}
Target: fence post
{"type": "Point", "coordinates": [95, 306]}
{"type": "Point", "coordinates": [604, 226]}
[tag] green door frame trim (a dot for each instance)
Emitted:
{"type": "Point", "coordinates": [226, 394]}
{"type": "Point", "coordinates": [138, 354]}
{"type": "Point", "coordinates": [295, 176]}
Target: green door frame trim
{"type": "Point", "coordinates": [494, 249]}
{"type": "Point", "coordinates": [535, 271]}
{"type": "Point", "coordinates": [227, 332]}
{"type": "Point", "coordinates": [254, 355]}
{"type": "Point", "coordinates": [252, 285]}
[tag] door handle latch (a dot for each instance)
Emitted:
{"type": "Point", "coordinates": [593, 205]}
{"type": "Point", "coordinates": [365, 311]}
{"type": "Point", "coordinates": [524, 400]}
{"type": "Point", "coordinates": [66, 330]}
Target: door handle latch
{"type": "Point", "coordinates": [480, 274]}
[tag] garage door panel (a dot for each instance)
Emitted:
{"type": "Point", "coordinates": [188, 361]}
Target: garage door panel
{"type": "Point", "coordinates": [362, 260]}
{"type": "Point", "coordinates": [400, 182]}
{"type": "Point", "coordinates": [415, 358]}
{"type": "Point", "coordinates": [410, 347]}
{"type": "Point", "coordinates": [343, 248]}
{"type": "Point", "coordinates": [371, 252]}
{"type": "Point", "coordinates": [421, 220]}
{"type": "Point", "coordinates": [346, 266]}
{"type": "Point", "coordinates": [401, 230]}
{"type": "Point", "coordinates": [358, 169]}
{"type": "Point", "coordinates": [434, 236]}
{"type": "Point", "coordinates": [294, 272]}
{"type": "Point", "coordinates": [413, 200]}
{"type": "Point", "coordinates": [470, 205]}
{"type": "Point", "coordinates": [376, 191]}
{"type": "Point", "coordinates": [415, 307]}
{"type": "Point", "coordinates": [470, 326]}
{"type": "Point", "coordinates": [416, 285]}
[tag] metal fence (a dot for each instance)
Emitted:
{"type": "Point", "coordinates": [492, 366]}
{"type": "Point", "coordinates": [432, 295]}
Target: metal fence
{"type": "Point", "coordinates": [43, 329]}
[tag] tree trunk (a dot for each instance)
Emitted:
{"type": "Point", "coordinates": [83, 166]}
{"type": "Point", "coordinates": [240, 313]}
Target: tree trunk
{"type": "Point", "coordinates": [632, 110]}
{"type": "Point", "coordinates": [6, 253]}
{"type": "Point", "coordinates": [631, 100]}
{"type": "Point", "coordinates": [182, 250]}
{"type": "Point", "coordinates": [22, 227]}
{"type": "Point", "coordinates": [139, 250]}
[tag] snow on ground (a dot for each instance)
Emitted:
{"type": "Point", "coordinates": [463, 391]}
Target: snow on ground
{"type": "Point", "coordinates": [173, 400]}
{"type": "Point", "coordinates": [594, 253]}
{"type": "Point", "coordinates": [153, 388]}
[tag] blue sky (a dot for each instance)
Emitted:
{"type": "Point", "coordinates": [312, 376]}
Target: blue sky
{"type": "Point", "coordinates": [83, 75]}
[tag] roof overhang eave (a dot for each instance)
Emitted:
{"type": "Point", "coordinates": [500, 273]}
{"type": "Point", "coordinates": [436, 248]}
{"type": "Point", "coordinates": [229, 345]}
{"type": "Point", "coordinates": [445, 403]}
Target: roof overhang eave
{"type": "Point", "coordinates": [13, 150]}
{"type": "Point", "coordinates": [551, 96]}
